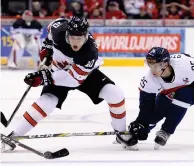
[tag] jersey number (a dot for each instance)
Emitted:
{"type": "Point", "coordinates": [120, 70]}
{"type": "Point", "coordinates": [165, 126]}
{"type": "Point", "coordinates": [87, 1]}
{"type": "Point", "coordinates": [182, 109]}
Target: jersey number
{"type": "Point", "coordinates": [192, 65]}
{"type": "Point", "coordinates": [176, 56]}
{"type": "Point", "coordinates": [90, 64]}
{"type": "Point", "coordinates": [56, 25]}
{"type": "Point", "coordinates": [143, 81]}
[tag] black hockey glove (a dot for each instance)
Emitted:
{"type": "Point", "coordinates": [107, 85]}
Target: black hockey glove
{"type": "Point", "coordinates": [138, 130]}
{"type": "Point", "coordinates": [42, 77]}
{"type": "Point", "coordinates": [47, 51]}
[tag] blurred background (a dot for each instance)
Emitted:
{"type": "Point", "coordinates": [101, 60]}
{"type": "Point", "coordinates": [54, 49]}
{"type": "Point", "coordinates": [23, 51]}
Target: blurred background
{"type": "Point", "coordinates": [102, 9]}
{"type": "Point", "coordinates": [124, 29]}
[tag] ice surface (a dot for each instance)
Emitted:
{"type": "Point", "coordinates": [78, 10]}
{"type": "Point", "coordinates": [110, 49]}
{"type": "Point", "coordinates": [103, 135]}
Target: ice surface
{"type": "Point", "coordinates": [78, 114]}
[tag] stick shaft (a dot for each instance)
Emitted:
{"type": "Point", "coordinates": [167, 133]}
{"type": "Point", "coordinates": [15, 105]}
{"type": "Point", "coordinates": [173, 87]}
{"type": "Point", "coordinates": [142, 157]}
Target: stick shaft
{"type": "Point", "coordinates": [6, 122]}
{"type": "Point", "coordinates": [70, 135]}
{"type": "Point", "coordinates": [19, 104]}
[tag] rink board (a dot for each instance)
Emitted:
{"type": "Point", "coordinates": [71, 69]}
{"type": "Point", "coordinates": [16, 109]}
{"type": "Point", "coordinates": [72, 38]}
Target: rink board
{"type": "Point", "coordinates": [107, 61]}
{"type": "Point", "coordinates": [120, 46]}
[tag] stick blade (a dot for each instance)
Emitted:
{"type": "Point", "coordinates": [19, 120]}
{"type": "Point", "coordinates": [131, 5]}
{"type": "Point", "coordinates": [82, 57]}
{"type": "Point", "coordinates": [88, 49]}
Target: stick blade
{"type": "Point", "coordinates": [60, 153]}
{"type": "Point", "coordinates": [3, 119]}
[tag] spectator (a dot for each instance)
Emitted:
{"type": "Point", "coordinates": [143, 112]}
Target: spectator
{"type": "Point", "coordinates": [77, 8]}
{"type": "Point", "coordinates": [143, 14]}
{"type": "Point", "coordinates": [152, 9]}
{"type": "Point", "coordinates": [189, 9]}
{"type": "Point", "coordinates": [62, 11]}
{"type": "Point", "coordinates": [173, 12]}
{"type": "Point", "coordinates": [113, 11]}
{"type": "Point", "coordinates": [96, 14]}
{"type": "Point", "coordinates": [132, 7]}
{"type": "Point", "coordinates": [94, 4]}
{"type": "Point", "coordinates": [191, 16]}
{"type": "Point", "coordinates": [37, 10]}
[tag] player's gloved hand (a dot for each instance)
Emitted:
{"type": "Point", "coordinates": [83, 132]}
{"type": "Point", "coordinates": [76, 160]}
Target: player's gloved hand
{"type": "Point", "coordinates": [42, 77]}
{"type": "Point", "coordinates": [138, 130]}
{"type": "Point", "coordinates": [47, 51]}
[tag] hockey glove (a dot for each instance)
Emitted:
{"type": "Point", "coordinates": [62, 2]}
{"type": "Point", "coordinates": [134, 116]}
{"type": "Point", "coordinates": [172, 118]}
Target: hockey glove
{"type": "Point", "coordinates": [138, 130]}
{"type": "Point", "coordinates": [42, 77]}
{"type": "Point", "coordinates": [47, 51]}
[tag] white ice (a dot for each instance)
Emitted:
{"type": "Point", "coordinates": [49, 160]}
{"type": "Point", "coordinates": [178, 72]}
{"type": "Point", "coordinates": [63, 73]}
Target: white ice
{"type": "Point", "coordinates": [78, 114]}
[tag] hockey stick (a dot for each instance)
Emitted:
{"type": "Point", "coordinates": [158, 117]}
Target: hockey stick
{"type": "Point", "coordinates": [70, 135]}
{"type": "Point", "coordinates": [48, 155]}
{"type": "Point", "coordinates": [6, 122]}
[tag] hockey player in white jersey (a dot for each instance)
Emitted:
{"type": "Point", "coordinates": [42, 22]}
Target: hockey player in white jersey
{"type": "Point", "coordinates": [73, 53]}
{"type": "Point", "coordinates": [26, 33]}
{"type": "Point", "coordinates": [166, 91]}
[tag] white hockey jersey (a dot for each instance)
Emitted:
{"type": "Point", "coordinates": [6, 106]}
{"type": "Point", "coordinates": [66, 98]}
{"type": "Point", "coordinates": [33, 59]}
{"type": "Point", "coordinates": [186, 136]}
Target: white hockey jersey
{"type": "Point", "coordinates": [71, 68]}
{"type": "Point", "coordinates": [184, 75]}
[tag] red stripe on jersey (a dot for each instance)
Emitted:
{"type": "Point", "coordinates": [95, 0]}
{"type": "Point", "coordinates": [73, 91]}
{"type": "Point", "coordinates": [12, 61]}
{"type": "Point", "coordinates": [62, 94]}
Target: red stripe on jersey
{"type": "Point", "coordinates": [60, 65]}
{"type": "Point", "coordinates": [79, 71]}
{"type": "Point", "coordinates": [118, 116]}
{"type": "Point", "coordinates": [54, 63]}
{"type": "Point", "coordinates": [167, 91]}
{"type": "Point", "coordinates": [30, 119]}
{"type": "Point", "coordinates": [118, 104]}
{"type": "Point", "coordinates": [71, 73]}
{"type": "Point", "coordinates": [37, 108]}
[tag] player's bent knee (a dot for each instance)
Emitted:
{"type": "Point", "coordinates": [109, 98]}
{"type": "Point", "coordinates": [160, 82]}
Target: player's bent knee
{"type": "Point", "coordinates": [47, 102]}
{"type": "Point", "coordinates": [112, 94]}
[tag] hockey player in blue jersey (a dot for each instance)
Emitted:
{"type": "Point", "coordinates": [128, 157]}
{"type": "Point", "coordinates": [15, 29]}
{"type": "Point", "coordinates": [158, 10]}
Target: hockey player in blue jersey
{"type": "Point", "coordinates": [166, 91]}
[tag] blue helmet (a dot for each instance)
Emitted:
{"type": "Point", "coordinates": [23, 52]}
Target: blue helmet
{"type": "Point", "coordinates": [158, 54]}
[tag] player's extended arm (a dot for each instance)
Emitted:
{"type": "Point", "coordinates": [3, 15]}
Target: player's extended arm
{"type": "Point", "coordinates": [140, 127]}
{"type": "Point", "coordinates": [73, 77]}
{"type": "Point", "coordinates": [146, 105]}
{"type": "Point", "coordinates": [60, 78]}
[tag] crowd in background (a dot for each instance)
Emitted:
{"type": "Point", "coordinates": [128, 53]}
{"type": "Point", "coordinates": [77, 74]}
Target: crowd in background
{"type": "Point", "coordinates": [99, 9]}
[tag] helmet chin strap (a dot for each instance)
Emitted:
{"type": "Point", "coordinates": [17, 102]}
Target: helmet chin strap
{"type": "Point", "coordinates": [163, 71]}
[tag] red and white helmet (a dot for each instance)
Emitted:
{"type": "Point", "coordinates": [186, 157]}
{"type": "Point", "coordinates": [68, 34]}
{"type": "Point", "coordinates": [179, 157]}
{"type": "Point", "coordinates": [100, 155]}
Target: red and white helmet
{"type": "Point", "coordinates": [27, 15]}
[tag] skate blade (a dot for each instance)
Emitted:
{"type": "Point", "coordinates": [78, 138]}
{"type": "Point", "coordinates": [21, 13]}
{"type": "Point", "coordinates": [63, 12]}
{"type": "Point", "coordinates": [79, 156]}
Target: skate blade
{"type": "Point", "coordinates": [131, 148]}
{"type": "Point", "coordinates": [157, 146]}
{"type": "Point", "coordinates": [6, 149]}
{"type": "Point", "coordinates": [115, 142]}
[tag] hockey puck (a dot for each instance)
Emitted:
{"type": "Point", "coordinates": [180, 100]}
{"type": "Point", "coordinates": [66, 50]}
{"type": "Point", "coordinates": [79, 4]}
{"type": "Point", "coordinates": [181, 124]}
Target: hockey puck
{"type": "Point", "coordinates": [48, 155]}
{"type": "Point", "coordinates": [61, 153]}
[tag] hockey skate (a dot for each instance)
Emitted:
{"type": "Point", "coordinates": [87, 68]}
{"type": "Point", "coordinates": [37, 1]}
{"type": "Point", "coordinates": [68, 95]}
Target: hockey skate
{"type": "Point", "coordinates": [161, 139]}
{"type": "Point", "coordinates": [127, 142]}
{"type": "Point", "coordinates": [8, 146]}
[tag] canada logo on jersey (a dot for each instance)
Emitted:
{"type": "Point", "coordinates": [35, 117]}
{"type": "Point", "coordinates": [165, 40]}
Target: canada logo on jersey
{"type": "Point", "coordinates": [185, 80]}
